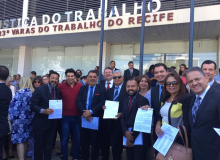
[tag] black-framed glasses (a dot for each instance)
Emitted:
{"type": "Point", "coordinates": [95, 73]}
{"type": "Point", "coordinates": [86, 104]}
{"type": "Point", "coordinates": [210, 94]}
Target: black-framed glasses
{"type": "Point", "coordinates": [119, 77]}
{"type": "Point", "coordinates": [174, 83]}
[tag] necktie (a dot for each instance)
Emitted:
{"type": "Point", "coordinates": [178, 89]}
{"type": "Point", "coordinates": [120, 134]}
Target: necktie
{"type": "Point", "coordinates": [130, 103]}
{"type": "Point", "coordinates": [195, 108]}
{"type": "Point", "coordinates": [52, 93]}
{"type": "Point", "coordinates": [90, 98]}
{"type": "Point", "coordinates": [131, 72]}
{"type": "Point", "coordinates": [116, 94]}
{"type": "Point", "coordinates": [108, 86]}
{"type": "Point", "coordinates": [161, 94]}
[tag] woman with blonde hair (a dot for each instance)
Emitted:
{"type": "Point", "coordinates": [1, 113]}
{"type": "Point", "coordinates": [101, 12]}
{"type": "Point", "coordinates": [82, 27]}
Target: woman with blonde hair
{"type": "Point", "coordinates": [21, 116]}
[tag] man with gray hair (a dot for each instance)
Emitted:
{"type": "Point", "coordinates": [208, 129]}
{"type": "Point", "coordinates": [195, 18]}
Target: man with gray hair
{"type": "Point", "coordinates": [116, 93]}
{"type": "Point", "coordinates": [204, 116]}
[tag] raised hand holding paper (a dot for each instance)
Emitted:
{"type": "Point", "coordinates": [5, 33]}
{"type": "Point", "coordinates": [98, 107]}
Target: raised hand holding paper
{"type": "Point", "coordinates": [57, 106]}
{"type": "Point", "coordinates": [143, 120]}
{"type": "Point", "coordinates": [111, 109]}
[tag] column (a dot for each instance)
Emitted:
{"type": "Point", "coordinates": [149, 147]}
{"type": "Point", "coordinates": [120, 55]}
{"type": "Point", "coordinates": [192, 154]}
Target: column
{"type": "Point", "coordinates": [106, 55]}
{"type": "Point", "coordinates": [24, 61]}
{"type": "Point", "coordinates": [218, 55]}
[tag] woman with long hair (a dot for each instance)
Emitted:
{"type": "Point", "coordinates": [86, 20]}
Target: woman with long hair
{"type": "Point", "coordinates": [37, 82]}
{"type": "Point", "coordinates": [182, 72]}
{"type": "Point", "coordinates": [21, 116]}
{"type": "Point", "coordinates": [174, 106]}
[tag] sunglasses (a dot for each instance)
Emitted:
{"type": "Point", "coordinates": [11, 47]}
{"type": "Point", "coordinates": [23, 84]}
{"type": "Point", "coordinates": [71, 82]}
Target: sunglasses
{"type": "Point", "coordinates": [119, 77]}
{"type": "Point", "coordinates": [174, 83]}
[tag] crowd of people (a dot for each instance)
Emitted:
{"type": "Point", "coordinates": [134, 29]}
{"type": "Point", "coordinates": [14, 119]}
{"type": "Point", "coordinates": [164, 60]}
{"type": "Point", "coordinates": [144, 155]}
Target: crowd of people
{"type": "Point", "coordinates": [185, 100]}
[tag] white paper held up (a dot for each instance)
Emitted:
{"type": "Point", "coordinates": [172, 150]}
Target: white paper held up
{"type": "Point", "coordinates": [111, 109]}
{"type": "Point", "coordinates": [57, 106]}
{"type": "Point", "coordinates": [217, 130]}
{"type": "Point", "coordinates": [93, 124]}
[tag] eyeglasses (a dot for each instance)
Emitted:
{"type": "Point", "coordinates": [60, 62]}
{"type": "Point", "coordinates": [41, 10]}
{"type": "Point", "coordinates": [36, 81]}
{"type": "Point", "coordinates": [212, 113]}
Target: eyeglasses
{"type": "Point", "coordinates": [174, 83]}
{"type": "Point", "coordinates": [119, 77]}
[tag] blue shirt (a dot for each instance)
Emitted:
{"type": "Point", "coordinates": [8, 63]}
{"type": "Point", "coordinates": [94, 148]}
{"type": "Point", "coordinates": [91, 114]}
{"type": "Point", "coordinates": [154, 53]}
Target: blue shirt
{"type": "Point", "coordinates": [160, 90]}
{"type": "Point", "coordinates": [87, 102]}
{"type": "Point", "coordinates": [16, 86]}
{"type": "Point", "coordinates": [211, 83]}
{"type": "Point", "coordinates": [119, 89]}
{"type": "Point", "coordinates": [50, 89]}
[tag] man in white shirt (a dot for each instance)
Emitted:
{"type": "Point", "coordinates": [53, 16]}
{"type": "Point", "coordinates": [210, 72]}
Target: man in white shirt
{"type": "Point", "coordinates": [203, 116]}
{"type": "Point", "coordinates": [209, 68]}
{"type": "Point", "coordinates": [112, 65]}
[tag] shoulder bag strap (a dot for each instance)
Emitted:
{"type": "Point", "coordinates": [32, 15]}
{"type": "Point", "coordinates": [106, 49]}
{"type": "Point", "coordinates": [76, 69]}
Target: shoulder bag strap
{"type": "Point", "coordinates": [181, 136]}
{"type": "Point", "coordinates": [186, 137]}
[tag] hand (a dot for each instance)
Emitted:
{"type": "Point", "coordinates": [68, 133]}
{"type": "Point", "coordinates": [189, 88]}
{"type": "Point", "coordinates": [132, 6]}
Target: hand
{"type": "Point", "coordinates": [145, 107]}
{"type": "Point", "coordinates": [158, 130]}
{"type": "Point", "coordinates": [86, 113]}
{"type": "Point", "coordinates": [118, 115]}
{"type": "Point", "coordinates": [89, 119]}
{"type": "Point", "coordinates": [128, 135]}
{"type": "Point", "coordinates": [48, 111]}
{"type": "Point", "coordinates": [103, 107]}
{"type": "Point", "coordinates": [129, 144]}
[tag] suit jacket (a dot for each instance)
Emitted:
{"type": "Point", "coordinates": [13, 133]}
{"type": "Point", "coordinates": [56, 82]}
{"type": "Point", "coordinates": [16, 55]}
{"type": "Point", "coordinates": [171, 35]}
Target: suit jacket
{"type": "Point", "coordinates": [40, 100]}
{"type": "Point", "coordinates": [128, 119]}
{"type": "Point", "coordinates": [205, 141]}
{"type": "Point", "coordinates": [127, 75]}
{"type": "Point", "coordinates": [122, 96]}
{"type": "Point", "coordinates": [98, 100]}
{"type": "Point", "coordinates": [102, 85]}
{"type": "Point", "coordinates": [5, 99]}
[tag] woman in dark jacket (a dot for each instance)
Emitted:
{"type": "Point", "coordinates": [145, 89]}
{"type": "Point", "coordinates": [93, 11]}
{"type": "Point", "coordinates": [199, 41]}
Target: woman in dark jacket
{"type": "Point", "coordinates": [174, 106]}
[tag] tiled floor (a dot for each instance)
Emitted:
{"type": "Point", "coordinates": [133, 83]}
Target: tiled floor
{"type": "Point", "coordinates": [57, 149]}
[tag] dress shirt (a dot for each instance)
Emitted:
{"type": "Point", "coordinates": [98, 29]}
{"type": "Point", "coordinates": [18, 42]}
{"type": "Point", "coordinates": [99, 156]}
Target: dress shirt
{"type": "Point", "coordinates": [211, 83]}
{"type": "Point", "coordinates": [131, 71]}
{"type": "Point", "coordinates": [50, 89]}
{"type": "Point", "coordinates": [113, 70]}
{"type": "Point", "coordinates": [87, 102]}
{"type": "Point", "coordinates": [119, 89]}
{"type": "Point", "coordinates": [203, 94]}
{"type": "Point", "coordinates": [160, 90]}
{"type": "Point", "coordinates": [110, 83]}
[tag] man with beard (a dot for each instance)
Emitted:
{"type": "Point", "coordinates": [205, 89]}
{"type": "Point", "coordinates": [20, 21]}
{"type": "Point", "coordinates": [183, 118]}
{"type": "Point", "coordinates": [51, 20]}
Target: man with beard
{"type": "Point", "coordinates": [44, 128]}
{"type": "Point", "coordinates": [130, 108]}
{"type": "Point", "coordinates": [89, 102]}
{"type": "Point", "coordinates": [160, 73]}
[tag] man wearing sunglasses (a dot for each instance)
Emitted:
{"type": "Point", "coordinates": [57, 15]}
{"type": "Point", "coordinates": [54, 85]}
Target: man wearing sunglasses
{"type": "Point", "coordinates": [116, 93]}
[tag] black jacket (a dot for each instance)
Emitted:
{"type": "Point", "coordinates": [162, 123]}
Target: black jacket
{"type": "Point", "coordinates": [205, 141]}
{"type": "Point", "coordinates": [127, 75]}
{"type": "Point", "coordinates": [128, 119]}
{"type": "Point", "coordinates": [40, 100]}
{"type": "Point", "coordinates": [5, 99]}
{"type": "Point", "coordinates": [97, 102]}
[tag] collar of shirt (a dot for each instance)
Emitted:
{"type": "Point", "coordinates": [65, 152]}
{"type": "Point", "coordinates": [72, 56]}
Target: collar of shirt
{"type": "Point", "coordinates": [50, 88]}
{"type": "Point", "coordinates": [131, 70]}
{"type": "Point", "coordinates": [88, 94]}
{"type": "Point", "coordinates": [69, 85]}
{"type": "Point", "coordinates": [110, 85]}
{"type": "Point", "coordinates": [211, 83]}
{"type": "Point", "coordinates": [119, 87]}
{"type": "Point", "coordinates": [203, 94]}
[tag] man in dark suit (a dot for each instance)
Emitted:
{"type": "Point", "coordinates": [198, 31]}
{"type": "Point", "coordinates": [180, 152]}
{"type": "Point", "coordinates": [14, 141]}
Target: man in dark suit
{"type": "Point", "coordinates": [204, 116]}
{"type": "Point", "coordinates": [117, 93]}
{"type": "Point", "coordinates": [160, 73]}
{"type": "Point", "coordinates": [5, 99]}
{"type": "Point", "coordinates": [89, 102]}
{"type": "Point", "coordinates": [130, 108]}
{"type": "Point", "coordinates": [112, 65]}
{"type": "Point", "coordinates": [209, 68]}
{"type": "Point", "coordinates": [44, 128]}
{"type": "Point", "coordinates": [130, 72]}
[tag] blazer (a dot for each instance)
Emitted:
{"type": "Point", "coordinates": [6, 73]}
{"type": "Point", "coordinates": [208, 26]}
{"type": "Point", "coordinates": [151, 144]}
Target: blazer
{"type": "Point", "coordinates": [128, 119]}
{"type": "Point", "coordinates": [5, 99]}
{"type": "Point", "coordinates": [205, 141]}
{"type": "Point", "coordinates": [40, 100]}
{"type": "Point", "coordinates": [178, 114]}
{"type": "Point", "coordinates": [122, 96]}
{"type": "Point", "coordinates": [98, 100]}
{"type": "Point", "coordinates": [155, 104]}
{"type": "Point", "coordinates": [127, 75]}
{"type": "Point", "coordinates": [102, 85]}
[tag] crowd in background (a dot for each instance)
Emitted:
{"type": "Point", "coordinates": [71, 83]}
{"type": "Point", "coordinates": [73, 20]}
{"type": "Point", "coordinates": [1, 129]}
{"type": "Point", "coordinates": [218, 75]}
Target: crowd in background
{"type": "Point", "coordinates": [187, 100]}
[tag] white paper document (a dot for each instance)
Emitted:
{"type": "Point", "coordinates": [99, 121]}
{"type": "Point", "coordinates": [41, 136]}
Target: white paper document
{"type": "Point", "coordinates": [164, 143]}
{"type": "Point", "coordinates": [217, 130]}
{"type": "Point", "coordinates": [111, 109]}
{"type": "Point", "coordinates": [93, 124]}
{"type": "Point", "coordinates": [138, 140]}
{"type": "Point", "coordinates": [57, 106]}
{"type": "Point", "coordinates": [143, 120]}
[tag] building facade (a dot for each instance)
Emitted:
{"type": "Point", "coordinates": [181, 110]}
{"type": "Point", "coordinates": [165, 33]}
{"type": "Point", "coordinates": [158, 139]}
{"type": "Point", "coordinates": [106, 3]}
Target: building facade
{"type": "Point", "coordinates": [43, 35]}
